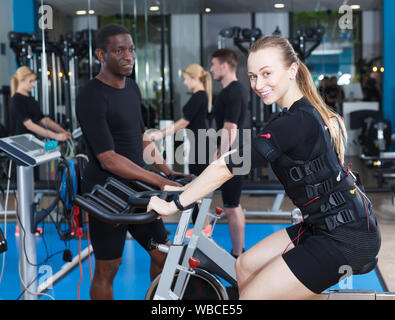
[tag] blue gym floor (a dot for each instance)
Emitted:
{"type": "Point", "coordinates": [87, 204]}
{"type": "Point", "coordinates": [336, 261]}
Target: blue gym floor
{"type": "Point", "coordinates": [132, 279]}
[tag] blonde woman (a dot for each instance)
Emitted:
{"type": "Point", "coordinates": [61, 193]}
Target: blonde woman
{"type": "Point", "coordinates": [25, 111]}
{"type": "Point", "coordinates": [199, 82]}
{"type": "Point", "coordinates": [305, 146]}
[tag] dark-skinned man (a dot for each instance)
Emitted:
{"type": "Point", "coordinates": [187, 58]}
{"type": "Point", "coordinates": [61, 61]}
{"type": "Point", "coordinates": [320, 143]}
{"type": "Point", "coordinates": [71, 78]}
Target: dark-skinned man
{"type": "Point", "coordinates": [109, 112]}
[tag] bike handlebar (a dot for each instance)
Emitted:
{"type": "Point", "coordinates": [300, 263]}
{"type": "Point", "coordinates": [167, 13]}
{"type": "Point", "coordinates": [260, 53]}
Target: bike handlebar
{"type": "Point", "coordinates": [118, 206]}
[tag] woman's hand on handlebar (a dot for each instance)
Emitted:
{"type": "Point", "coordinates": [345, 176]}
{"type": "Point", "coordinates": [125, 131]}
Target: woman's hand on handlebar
{"type": "Point", "coordinates": [162, 207]}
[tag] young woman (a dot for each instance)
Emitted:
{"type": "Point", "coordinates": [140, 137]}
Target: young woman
{"type": "Point", "coordinates": [25, 110]}
{"type": "Point", "coordinates": [199, 82]}
{"type": "Point", "coordinates": [305, 146]}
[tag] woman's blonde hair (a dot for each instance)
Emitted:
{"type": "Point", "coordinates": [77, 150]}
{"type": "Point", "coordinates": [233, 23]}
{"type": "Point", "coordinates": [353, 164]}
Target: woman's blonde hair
{"type": "Point", "coordinates": [21, 74]}
{"type": "Point", "coordinates": [196, 71]}
{"type": "Point", "coordinates": [333, 121]}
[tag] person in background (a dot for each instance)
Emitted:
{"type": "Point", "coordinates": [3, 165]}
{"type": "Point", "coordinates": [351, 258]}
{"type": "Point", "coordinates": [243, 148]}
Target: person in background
{"type": "Point", "coordinates": [370, 91]}
{"type": "Point", "coordinates": [323, 86]}
{"type": "Point", "coordinates": [25, 111]}
{"type": "Point", "coordinates": [230, 112]}
{"type": "Point", "coordinates": [199, 82]}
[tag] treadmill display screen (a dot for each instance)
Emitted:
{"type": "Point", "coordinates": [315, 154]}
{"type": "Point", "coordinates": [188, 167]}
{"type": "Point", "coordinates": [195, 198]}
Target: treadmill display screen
{"type": "Point", "coordinates": [25, 144]}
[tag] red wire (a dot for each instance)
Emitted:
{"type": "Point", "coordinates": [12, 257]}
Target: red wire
{"type": "Point", "coordinates": [366, 207]}
{"type": "Point", "coordinates": [80, 265]}
{"type": "Point", "coordinates": [298, 236]}
{"type": "Point", "coordinates": [349, 169]}
{"type": "Point", "coordinates": [303, 205]}
{"type": "Point", "coordinates": [89, 253]}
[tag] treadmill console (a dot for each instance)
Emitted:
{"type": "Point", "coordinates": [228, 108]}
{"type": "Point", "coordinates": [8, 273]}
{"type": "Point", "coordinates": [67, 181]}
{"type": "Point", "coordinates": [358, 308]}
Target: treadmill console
{"type": "Point", "coordinates": [27, 150]}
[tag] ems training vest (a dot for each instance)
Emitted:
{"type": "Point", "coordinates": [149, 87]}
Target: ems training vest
{"type": "Point", "coordinates": [316, 186]}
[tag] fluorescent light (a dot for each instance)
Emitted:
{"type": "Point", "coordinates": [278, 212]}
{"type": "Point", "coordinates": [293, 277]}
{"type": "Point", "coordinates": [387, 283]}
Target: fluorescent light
{"type": "Point", "coordinates": [80, 12]}
{"type": "Point", "coordinates": [279, 5]}
{"type": "Point", "coordinates": [91, 11]}
{"type": "Point", "coordinates": [355, 6]}
{"type": "Point", "coordinates": [154, 8]}
{"type": "Point", "coordinates": [208, 10]}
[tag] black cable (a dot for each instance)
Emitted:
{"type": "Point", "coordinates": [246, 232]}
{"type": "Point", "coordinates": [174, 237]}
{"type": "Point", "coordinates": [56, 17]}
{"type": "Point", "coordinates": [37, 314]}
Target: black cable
{"type": "Point", "coordinates": [36, 278]}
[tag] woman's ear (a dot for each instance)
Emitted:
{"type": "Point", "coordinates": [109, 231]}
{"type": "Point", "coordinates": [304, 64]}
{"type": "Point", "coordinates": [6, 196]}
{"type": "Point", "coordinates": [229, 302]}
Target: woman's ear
{"type": "Point", "coordinates": [293, 70]}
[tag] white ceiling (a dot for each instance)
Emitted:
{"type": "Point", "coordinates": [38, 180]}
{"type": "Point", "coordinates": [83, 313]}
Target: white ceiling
{"type": "Point", "coordinates": [108, 7]}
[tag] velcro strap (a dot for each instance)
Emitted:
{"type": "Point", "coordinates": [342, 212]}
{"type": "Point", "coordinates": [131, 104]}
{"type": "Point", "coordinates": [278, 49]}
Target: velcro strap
{"type": "Point", "coordinates": [335, 199]}
{"type": "Point", "coordinates": [315, 190]}
{"type": "Point", "coordinates": [297, 173]}
{"type": "Point", "coordinates": [343, 217]}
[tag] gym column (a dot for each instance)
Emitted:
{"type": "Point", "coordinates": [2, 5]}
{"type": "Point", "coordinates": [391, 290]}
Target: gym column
{"type": "Point", "coordinates": [26, 20]}
{"type": "Point", "coordinates": [388, 96]}
{"type": "Point", "coordinates": [25, 16]}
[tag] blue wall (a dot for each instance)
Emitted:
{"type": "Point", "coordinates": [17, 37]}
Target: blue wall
{"type": "Point", "coordinates": [388, 59]}
{"type": "Point", "coordinates": [25, 16]}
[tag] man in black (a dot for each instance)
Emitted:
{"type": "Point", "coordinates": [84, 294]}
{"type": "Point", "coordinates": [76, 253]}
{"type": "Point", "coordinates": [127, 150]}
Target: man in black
{"type": "Point", "coordinates": [109, 112]}
{"type": "Point", "coordinates": [230, 109]}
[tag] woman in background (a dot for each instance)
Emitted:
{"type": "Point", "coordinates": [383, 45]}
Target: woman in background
{"type": "Point", "coordinates": [25, 111]}
{"type": "Point", "coordinates": [199, 81]}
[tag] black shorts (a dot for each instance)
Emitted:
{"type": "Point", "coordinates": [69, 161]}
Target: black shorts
{"type": "Point", "coordinates": [231, 192]}
{"type": "Point", "coordinates": [108, 239]}
{"type": "Point", "coordinates": [320, 258]}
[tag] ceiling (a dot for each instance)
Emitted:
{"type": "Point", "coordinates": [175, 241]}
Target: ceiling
{"type": "Point", "coordinates": [108, 7]}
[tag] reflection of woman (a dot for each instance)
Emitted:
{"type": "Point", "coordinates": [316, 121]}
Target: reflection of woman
{"type": "Point", "coordinates": [25, 110]}
{"type": "Point", "coordinates": [197, 80]}
{"type": "Point", "coordinates": [305, 147]}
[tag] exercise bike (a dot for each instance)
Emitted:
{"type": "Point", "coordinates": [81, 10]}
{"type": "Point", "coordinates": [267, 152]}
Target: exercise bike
{"type": "Point", "coordinates": [198, 270]}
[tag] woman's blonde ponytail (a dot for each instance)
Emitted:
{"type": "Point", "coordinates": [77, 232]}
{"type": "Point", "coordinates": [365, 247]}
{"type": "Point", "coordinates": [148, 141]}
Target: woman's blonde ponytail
{"type": "Point", "coordinates": [21, 74]}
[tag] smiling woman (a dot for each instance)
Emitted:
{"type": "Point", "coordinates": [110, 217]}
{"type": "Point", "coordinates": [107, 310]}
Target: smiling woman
{"type": "Point", "coordinates": [304, 145]}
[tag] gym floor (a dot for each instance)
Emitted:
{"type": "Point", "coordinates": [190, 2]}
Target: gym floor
{"type": "Point", "coordinates": [132, 280]}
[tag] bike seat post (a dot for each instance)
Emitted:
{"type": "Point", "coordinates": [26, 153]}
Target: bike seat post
{"type": "Point", "coordinates": [218, 212]}
{"type": "Point", "coordinates": [193, 263]}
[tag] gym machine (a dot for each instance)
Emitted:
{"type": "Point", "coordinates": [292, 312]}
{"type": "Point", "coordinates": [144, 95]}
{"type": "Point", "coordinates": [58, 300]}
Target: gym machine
{"type": "Point", "coordinates": [375, 140]}
{"type": "Point", "coordinates": [191, 271]}
{"type": "Point", "coordinates": [28, 152]}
